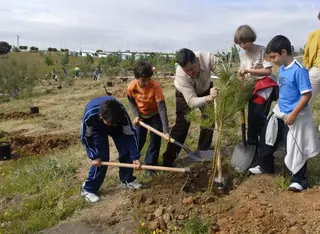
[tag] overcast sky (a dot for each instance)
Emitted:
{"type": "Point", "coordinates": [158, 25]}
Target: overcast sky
{"type": "Point", "coordinates": [153, 25]}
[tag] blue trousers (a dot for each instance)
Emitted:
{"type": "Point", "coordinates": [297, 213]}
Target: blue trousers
{"type": "Point", "coordinates": [97, 174]}
{"type": "Point", "coordinates": [153, 150]}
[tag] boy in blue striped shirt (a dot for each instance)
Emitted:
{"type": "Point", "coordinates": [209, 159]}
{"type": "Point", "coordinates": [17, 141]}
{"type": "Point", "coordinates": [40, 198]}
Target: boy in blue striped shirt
{"type": "Point", "coordinates": [291, 119]}
{"type": "Point", "coordinates": [106, 116]}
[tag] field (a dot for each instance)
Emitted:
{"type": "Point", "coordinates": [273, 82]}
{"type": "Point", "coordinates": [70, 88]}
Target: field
{"type": "Point", "coordinates": [40, 186]}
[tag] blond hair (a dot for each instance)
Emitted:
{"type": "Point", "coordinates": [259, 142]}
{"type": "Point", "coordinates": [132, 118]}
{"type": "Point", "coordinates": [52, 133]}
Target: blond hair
{"type": "Point", "coordinates": [244, 34]}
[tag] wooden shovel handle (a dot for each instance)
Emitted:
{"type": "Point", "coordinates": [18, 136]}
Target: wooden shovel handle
{"type": "Point", "coordinates": [156, 132]}
{"type": "Point", "coordinates": [243, 116]}
{"type": "Point", "coordinates": [147, 167]}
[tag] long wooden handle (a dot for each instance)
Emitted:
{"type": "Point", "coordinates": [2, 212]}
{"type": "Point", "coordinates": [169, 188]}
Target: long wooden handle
{"type": "Point", "coordinates": [147, 167]}
{"type": "Point", "coordinates": [156, 132]}
{"type": "Point", "coordinates": [243, 116]}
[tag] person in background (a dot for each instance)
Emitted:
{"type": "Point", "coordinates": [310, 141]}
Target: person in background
{"type": "Point", "coordinates": [148, 104]}
{"type": "Point", "coordinates": [76, 72]}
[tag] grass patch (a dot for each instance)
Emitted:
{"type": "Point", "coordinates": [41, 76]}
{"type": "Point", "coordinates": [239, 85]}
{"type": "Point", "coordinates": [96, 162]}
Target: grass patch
{"type": "Point", "coordinates": [283, 182]}
{"type": "Point", "coordinates": [38, 193]}
{"type": "Point", "coordinates": [197, 226]}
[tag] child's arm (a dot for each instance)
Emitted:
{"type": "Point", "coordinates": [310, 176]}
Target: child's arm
{"type": "Point", "coordinates": [133, 105]}
{"type": "Point", "coordinates": [289, 119]}
{"type": "Point", "coordinates": [134, 108]}
{"type": "Point", "coordinates": [162, 107]}
{"type": "Point", "coordinates": [89, 138]}
{"type": "Point", "coordinates": [259, 71]}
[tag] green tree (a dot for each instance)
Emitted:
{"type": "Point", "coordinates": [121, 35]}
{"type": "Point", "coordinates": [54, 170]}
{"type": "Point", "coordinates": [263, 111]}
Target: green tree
{"type": "Point", "coordinates": [4, 47]}
{"type": "Point", "coordinates": [64, 60]}
{"type": "Point", "coordinates": [89, 59]}
{"type": "Point", "coordinates": [16, 77]}
{"type": "Point", "coordinates": [48, 60]}
{"type": "Point", "coordinates": [54, 50]}
{"type": "Point", "coordinates": [49, 49]}
{"type": "Point", "coordinates": [98, 51]}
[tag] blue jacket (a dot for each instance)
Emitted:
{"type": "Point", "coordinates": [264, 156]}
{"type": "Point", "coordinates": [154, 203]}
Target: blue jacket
{"type": "Point", "coordinates": [93, 130]}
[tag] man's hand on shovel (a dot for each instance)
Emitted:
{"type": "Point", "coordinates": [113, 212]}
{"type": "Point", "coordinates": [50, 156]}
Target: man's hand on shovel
{"type": "Point", "coordinates": [137, 164]}
{"type": "Point", "coordinates": [136, 120]}
{"type": "Point", "coordinates": [96, 162]}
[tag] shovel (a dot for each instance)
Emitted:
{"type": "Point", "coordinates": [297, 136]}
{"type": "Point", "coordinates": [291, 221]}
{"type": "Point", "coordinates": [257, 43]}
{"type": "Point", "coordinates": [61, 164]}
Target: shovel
{"type": "Point", "coordinates": [243, 153]}
{"type": "Point", "coordinates": [193, 157]}
{"type": "Point", "coordinates": [148, 167]}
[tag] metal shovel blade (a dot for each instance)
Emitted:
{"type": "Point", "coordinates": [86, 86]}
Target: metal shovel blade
{"type": "Point", "coordinates": [200, 156]}
{"type": "Point", "coordinates": [242, 157]}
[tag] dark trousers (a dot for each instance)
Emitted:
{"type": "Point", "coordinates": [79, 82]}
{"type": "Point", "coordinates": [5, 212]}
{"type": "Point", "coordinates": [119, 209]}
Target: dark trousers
{"type": "Point", "coordinates": [97, 174]}
{"type": "Point", "coordinates": [153, 150]}
{"type": "Point", "coordinates": [257, 116]}
{"type": "Point", "coordinates": [266, 158]}
{"type": "Point", "coordinates": [180, 130]}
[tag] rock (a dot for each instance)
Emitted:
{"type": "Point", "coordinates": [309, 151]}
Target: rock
{"type": "Point", "coordinates": [162, 224]}
{"type": "Point", "coordinates": [316, 206]}
{"type": "Point", "coordinates": [150, 217]}
{"type": "Point", "coordinates": [170, 209]}
{"type": "Point", "coordinates": [223, 223]}
{"type": "Point", "coordinates": [296, 230]}
{"type": "Point", "coordinates": [149, 201]}
{"type": "Point", "coordinates": [259, 213]}
{"type": "Point", "coordinates": [142, 198]}
{"type": "Point", "coordinates": [153, 225]}
{"type": "Point", "coordinates": [112, 221]}
{"type": "Point", "coordinates": [292, 222]}
{"type": "Point", "coordinates": [149, 209]}
{"type": "Point", "coordinates": [302, 222]}
{"type": "Point", "coordinates": [263, 203]}
{"type": "Point", "coordinates": [284, 230]}
{"type": "Point", "coordinates": [188, 201]}
{"type": "Point", "coordinates": [209, 199]}
{"type": "Point", "coordinates": [252, 196]}
{"type": "Point", "coordinates": [166, 217]}
{"type": "Point", "coordinates": [158, 213]}
{"type": "Point", "coordinates": [181, 217]}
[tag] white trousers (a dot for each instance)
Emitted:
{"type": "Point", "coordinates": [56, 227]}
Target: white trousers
{"type": "Point", "coordinates": [314, 74]}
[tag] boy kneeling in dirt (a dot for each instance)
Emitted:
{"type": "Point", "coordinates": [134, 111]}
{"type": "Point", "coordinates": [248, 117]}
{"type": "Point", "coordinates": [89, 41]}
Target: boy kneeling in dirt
{"type": "Point", "coordinates": [148, 105]}
{"type": "Point", "coordinates": [291, 118]}
{"type": "Point", "coordinates": [106, 116]}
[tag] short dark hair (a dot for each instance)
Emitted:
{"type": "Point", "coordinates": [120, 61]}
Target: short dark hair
{"type": "Point", "coordinates": [244, 34]}
{"type": "Point", "coordinates": [279, 43]}
{"type": "Point", "coordinates": [142, 69]}
{"type": "Point", "coordinates": [184, 56]}
{"type": "Point", "coordinates": [111, 111]}
{"type": "Point", "coordinates": [319, 16]}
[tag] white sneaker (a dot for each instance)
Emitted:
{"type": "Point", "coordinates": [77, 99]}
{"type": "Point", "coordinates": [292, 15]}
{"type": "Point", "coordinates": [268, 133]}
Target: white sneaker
{"type": "Point", "coordinates": [256, 170]}
{"type": "Point", "coordinates": [295, 187]}
{"type": "Point", "coordinates": [131, 185]}
{"type": "Point", "coordinates": [90, 197]}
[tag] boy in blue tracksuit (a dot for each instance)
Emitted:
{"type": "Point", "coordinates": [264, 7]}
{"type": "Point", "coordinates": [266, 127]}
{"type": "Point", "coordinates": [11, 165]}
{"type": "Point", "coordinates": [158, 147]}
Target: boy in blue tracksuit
{"type": "Point", "coordinates": [106, 116]}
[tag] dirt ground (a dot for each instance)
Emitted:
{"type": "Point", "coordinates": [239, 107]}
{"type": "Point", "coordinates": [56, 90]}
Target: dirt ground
{"type": "Point", "coordinates": [38, 145]}
{"type": "Point", "coordinates": [18, 115]}
{"type": "Point", "coordinates": [254, 204]}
